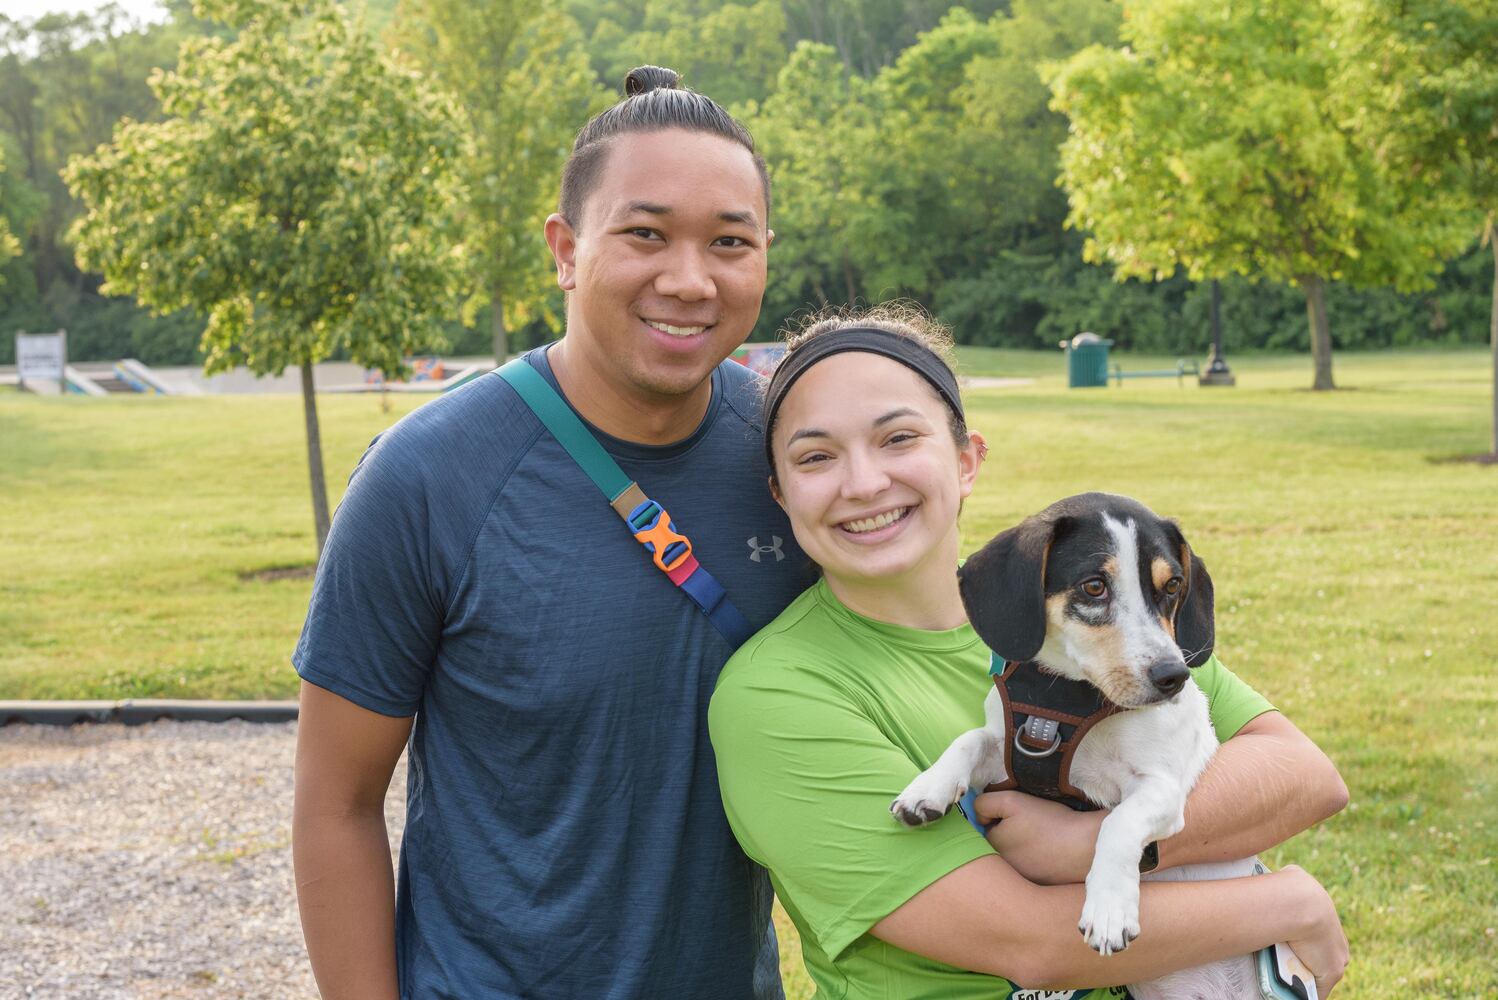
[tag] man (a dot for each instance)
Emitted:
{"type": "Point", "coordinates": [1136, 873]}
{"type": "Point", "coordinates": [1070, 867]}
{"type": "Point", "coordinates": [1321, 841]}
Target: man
{"type": "Point", "coordinates": [564, 835]}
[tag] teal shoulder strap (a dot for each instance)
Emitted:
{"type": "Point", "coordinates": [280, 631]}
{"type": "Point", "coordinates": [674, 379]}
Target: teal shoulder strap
{"type": "Point", "coordinates": [648, 522]}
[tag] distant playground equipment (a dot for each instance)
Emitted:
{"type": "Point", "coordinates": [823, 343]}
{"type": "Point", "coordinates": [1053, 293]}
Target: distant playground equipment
{"type": "Point", "coordinates": [42, 367]}
{"type": "Point", "coordinates": [761, 358]}
{"type": "Point", "coordinates": [428, 369]}
{"type": "Point", "coordinates": [428, 374]}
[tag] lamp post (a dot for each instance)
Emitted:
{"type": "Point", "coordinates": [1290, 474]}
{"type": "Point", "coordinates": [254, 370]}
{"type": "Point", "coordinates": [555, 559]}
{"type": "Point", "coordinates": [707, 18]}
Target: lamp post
{"type": "Point", "coordinates": [1217, 372]}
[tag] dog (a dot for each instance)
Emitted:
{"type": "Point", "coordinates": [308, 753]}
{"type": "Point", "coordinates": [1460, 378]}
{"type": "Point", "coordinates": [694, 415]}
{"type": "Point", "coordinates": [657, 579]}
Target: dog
{"type": "Point", "coordinates": [1096, 593]}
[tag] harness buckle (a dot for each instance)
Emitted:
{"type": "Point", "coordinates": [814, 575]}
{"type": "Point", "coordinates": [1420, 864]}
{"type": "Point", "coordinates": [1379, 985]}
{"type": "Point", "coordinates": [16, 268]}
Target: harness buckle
{"type": "Point", "coordinates": [1044, 734]}
{"type": "Point", "coordinates": [653, 528]}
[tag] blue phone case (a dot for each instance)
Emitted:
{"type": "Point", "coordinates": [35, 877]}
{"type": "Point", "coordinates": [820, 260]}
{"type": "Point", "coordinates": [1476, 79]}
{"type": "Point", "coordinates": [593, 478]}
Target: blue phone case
{"type": "Point", "coordinates": [1277, 984]}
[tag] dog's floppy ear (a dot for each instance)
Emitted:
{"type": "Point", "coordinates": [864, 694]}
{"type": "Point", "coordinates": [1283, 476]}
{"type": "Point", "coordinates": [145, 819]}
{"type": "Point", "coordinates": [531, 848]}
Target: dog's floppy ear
{"type": "Point", "coordinates": [1196, 631]}
{"type": "Point", "coordinates": [1003, 589]}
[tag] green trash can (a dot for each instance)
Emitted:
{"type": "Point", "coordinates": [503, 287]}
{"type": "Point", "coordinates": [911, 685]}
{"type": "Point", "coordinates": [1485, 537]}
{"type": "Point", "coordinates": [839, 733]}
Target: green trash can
{"type": "Point", "coordinates": [1086, 360]}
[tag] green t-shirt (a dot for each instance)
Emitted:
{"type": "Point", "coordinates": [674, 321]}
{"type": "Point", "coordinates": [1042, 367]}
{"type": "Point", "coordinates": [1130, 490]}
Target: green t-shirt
{"type": "Point", "coordinates": [818, 722]}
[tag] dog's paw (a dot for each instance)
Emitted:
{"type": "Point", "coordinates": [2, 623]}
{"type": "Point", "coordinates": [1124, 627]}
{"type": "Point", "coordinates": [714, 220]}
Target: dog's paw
{"type": "Point", "coordinates": [926, 799]}
{"type": "Point", "coordinates": [1110, 919]}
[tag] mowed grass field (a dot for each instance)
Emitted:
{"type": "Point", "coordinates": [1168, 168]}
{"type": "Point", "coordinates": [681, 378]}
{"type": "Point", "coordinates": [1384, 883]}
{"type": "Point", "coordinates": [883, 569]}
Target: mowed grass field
{"type": "Point", "coordinates": [1356, 571]}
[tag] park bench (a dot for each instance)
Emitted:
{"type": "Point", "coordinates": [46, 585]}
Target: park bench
{"type": "Point", "coordinates": [1179, 372]}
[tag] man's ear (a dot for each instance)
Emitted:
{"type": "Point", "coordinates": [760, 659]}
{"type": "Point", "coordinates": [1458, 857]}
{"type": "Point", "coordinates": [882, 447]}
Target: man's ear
{"type": "Point", "coordinates": [562, 239]}
{"type": "Point", "coordinates": [769, 238]}
{"type": "Point", "coordinates": [1003, 589]}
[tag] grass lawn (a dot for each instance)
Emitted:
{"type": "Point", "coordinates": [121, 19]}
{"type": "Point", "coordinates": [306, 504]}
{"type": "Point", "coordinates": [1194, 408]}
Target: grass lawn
{"type": "Point", "coordinates": [1356, 575]}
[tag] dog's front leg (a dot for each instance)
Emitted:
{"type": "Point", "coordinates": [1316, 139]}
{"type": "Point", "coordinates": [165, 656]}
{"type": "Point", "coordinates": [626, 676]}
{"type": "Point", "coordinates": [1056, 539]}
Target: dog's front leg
{"type": "Point", "coordinates": [975, 759]}
{"type": "Point", "coordinates": [1153, 809]}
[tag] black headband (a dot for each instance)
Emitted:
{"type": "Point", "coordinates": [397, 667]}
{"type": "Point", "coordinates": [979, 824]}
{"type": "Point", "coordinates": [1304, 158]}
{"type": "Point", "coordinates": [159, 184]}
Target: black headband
{"type": "Point", "coordinates": [871, 340]}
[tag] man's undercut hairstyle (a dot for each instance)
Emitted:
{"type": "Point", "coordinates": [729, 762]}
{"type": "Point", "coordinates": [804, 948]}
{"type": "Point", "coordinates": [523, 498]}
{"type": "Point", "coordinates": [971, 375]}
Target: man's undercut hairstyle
{"type": "Point", "coordinates": [653, 101]}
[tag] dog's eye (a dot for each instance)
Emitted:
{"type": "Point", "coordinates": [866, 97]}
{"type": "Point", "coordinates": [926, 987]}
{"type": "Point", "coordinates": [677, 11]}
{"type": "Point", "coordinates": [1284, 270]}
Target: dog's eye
{"type": "Point", "coordinates": [1173, 586]}
{"type": "Point", "coordinates": [1095, 588]}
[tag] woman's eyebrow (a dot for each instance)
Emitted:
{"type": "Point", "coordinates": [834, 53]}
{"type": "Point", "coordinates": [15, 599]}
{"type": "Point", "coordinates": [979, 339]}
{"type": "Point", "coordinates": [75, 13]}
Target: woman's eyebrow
{"type": "Point", "coordinates": [808, 432]}
{"type": "Point", "coordinates": [903, 411]}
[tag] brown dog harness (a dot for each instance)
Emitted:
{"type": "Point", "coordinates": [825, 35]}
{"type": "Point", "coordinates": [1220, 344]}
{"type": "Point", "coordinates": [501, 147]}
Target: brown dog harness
{"type": "Point", "coordinates": [1049, 717]}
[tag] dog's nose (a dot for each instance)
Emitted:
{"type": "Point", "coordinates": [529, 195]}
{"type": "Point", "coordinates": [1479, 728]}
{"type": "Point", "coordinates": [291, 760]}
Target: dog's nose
{"type": "Point", "coordinates": [1168, 676]}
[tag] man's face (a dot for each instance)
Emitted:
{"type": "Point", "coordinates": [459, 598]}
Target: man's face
{"type": "Point", "coordinates": [666, 268]}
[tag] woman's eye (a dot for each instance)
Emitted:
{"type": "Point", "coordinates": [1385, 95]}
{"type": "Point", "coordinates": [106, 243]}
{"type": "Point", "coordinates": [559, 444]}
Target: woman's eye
{"type": "Point", "coordinates": [1173, 586]}
{"type": "Point", "coordinates": [1095, 588]}
{"type": "Point", "coordinates": [901, 437]}
{"type": "Point", "coordinates": [808, 459]}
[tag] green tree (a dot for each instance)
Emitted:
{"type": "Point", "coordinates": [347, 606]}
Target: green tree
{"type": "Point", "coordinates": [1217, 141]}
{"type": "Point", "coordinates": [1430, 86]}
{"type": "Point", "coordinates": [870, 34]}
{"type": "Point", "coordinates": [65, 79]}
{"type": "Point", "coordinates": [729, 51]}
{"type": "Point", "coordinates": [811, 131]}
{"type": "Point", "coordinates": [17, 204]}
{"type": "Point", "coordinates": [523, 86]}
{"type": "Point", "coordinates": [298, 193]}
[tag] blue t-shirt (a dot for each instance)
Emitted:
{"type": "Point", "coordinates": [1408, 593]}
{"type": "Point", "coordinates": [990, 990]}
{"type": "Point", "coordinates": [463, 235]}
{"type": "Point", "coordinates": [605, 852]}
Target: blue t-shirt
{"type": "Point", "coordinates": [564, 833]}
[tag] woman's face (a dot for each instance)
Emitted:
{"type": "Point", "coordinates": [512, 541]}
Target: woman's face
{"type": "Point", "coordinates": [867, 470]}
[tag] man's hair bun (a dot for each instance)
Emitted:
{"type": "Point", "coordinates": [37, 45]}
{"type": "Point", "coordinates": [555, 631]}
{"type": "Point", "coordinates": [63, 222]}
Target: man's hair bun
{"type": "Point", "coordinates": [644, 79]}
{"type": "Point", "coordinates": [654, 100]}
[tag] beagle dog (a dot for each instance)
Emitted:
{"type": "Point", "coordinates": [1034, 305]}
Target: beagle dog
{"type": "Point", "coordinates": [1098, 599]}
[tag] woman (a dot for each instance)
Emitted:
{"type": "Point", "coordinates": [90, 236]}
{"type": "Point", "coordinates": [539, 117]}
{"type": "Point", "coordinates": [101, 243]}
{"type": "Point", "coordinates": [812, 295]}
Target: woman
{"type": "Point", "coordinates": [824, 716]}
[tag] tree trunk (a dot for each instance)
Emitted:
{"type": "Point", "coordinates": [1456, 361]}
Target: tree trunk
{"type": "Point", "coordinates": [1493, 329]}
{"type": "Point", "coordinates": [314, 459]}
{"type": "Point", "coordinates": [1321, 332]}
{"type": "Point", "coordinates": [497, 327]}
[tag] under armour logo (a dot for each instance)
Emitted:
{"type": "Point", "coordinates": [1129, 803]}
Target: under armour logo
{"type": "Point", "coordinates": [760, 550]}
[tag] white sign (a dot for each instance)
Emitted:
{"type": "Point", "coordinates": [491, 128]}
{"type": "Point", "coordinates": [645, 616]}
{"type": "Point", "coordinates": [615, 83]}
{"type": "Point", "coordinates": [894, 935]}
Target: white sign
{"type": "Point", "coordinates": [41, 355]}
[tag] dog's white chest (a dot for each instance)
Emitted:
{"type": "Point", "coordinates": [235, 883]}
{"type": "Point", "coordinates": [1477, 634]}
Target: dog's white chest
{"type": "Point", "coordinates": [1174, 739]}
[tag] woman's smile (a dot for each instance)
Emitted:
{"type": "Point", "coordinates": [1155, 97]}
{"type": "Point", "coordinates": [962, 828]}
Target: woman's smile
{"type": "Point", "coordinates": [870, 529]}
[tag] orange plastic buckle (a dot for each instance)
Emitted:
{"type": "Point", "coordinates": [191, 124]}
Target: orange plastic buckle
{"type": "Point", "coordinates": [654, 530]}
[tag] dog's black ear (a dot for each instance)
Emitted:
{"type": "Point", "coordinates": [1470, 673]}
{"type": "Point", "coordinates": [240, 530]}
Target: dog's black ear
{"type": "Point", "coordinates": [1003, 589]}
{"type": "Point", "coordinates": [1196, 630]}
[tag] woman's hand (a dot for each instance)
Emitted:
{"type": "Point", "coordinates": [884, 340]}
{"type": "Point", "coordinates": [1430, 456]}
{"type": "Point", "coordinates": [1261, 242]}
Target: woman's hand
{"type": "Point", "coordinates": [1323, 947]}
{"type": "Point", "coordinates": [1044, 841]}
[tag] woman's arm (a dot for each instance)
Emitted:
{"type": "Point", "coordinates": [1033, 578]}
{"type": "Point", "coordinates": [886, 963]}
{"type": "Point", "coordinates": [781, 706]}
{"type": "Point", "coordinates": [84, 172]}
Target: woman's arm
{"type": "Point", "coordinates": [1262, 787]}
{"type": "Point", "coordinates": [340, 849]}
{"type": "Point", "coordinates": [985, 917]}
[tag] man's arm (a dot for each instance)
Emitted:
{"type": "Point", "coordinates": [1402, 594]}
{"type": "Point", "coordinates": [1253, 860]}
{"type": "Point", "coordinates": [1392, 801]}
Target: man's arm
{"type": "Point", "coordinates": [1263, 786]}
{"type": "Point", "coordinates": [986, 918]}
{"type": "Point", "coordinates": [345, 755]}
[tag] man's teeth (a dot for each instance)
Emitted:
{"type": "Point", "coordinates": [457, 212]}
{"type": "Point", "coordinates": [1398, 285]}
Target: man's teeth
{"type": "Point", "coordinates": [675, 331]}
{"type": "Point", "coordinates": [875, 523]}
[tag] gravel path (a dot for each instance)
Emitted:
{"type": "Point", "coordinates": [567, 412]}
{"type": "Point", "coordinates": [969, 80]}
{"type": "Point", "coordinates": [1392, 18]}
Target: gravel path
{"type": "Point", "coordinates": [153, 861]}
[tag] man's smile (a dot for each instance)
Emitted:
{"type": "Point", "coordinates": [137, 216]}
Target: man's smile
{"type": "Point", "coordinates": [676, 330]}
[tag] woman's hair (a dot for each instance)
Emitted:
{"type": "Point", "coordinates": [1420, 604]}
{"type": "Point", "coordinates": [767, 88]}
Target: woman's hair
{"type": "Point", "coordinates": [903, 318]}
{"type": "Point", "coordinates": [653, 100]}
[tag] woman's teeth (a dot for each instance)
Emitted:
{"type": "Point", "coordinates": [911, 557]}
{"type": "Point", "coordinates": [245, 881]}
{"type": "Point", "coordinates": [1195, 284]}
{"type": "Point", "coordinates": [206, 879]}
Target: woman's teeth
{"type": "Point", "coordinates": [675, 331]}
{"type": "Point", "coordinates": [875, 523]}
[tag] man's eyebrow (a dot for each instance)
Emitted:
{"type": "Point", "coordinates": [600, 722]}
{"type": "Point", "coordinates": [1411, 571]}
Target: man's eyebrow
{"type": "Point", "coordinates": [648, 207]}
{"type": "Point", "coordinates": [745, 218]}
